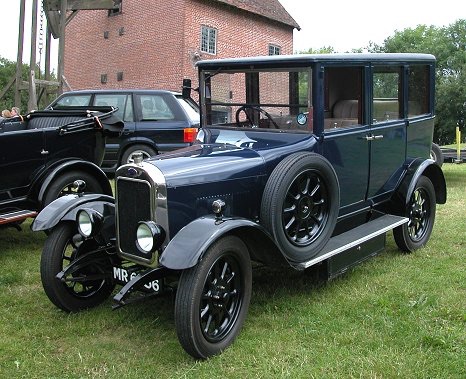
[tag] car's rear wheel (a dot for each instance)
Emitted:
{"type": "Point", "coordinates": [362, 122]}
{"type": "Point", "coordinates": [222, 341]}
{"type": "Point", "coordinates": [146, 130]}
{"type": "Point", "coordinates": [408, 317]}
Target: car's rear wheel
{"type": "Point", "coordinates": [213, 297]}
{"type": "Point", "coordinates": [300, 204]}
{"type": "Point", "coordinates": [63, 185]}
{"type": "Point", "coordinates": [128, 155]}
{"type": "Point", "coordinates": [61, 248]}
{"type": "Point", "coordinates": [420, 211]}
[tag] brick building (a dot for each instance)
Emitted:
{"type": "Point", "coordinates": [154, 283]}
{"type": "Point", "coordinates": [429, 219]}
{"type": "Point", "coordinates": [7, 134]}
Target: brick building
{"type": "Point", "coordinates": [155, 43]}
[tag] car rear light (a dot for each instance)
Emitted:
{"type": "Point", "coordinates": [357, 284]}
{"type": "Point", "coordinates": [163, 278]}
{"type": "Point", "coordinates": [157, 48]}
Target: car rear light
{"type": "Point", "coordinates": [190, 135]}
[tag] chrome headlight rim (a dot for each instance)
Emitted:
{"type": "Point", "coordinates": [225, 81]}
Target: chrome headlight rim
{"type": "Point", "coordinates": [89, 222]}
{"type": "Point", "coordinates": [149, 236]}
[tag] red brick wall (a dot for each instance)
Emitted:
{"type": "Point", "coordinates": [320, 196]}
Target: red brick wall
{"type": "Point", "coordinates": [161, 42]}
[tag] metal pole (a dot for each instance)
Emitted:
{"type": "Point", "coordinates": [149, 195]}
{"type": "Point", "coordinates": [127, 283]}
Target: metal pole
{"type": "Point", "coordinates": [19, 58]}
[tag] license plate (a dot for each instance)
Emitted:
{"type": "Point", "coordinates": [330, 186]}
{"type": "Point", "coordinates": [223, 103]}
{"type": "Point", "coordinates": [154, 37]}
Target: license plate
{"type": "Point", "coordinates": [123, 276]}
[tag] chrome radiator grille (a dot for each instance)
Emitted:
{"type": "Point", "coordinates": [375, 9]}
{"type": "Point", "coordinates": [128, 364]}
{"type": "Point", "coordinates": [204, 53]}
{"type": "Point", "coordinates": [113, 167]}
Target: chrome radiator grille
{"type": "Point", "coordinates": [133, 205]}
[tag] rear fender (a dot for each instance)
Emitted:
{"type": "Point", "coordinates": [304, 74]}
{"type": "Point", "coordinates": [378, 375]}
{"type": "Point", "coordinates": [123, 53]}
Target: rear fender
{"type": "Point", "coordinates": [66, 207]}
{"type": "Point", "coordinates": [417, 168]}
{"type": "Point", "coordinates": [71, 165]}
{"type": "Point", "coordinates": [190, 243]}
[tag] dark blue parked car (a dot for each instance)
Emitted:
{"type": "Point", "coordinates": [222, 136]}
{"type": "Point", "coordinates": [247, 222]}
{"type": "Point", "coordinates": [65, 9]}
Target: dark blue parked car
{"type": "Point", "coordinates": [156, 121]}
{"type": "Point", "coordinates": [301, 160]}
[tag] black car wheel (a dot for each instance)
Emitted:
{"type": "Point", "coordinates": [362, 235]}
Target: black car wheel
{"type": "Point", "coordinates": [128, 155]}
{"type": "Point", "coordinates": [63, 185]}
{"type": "Point", "coordinates": [436, 154]}
{"type": "Point", "coordinates": [421, 214]}
{"type": "Point", "coordinates": [300, 204]}
{"type": "Point", "coordinates": [60, 249]}
{"type": "Point", "coordinates": [213, 298]}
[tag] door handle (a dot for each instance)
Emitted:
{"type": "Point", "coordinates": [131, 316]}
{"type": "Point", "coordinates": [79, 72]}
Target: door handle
{"type": "Point", "coordinates": [373, 138]}
{"type": "Point", "coordinates": [44, 152]}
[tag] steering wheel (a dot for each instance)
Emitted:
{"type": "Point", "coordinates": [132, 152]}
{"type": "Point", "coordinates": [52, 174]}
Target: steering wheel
{"type": "Point", "coordinates": [256, 108]}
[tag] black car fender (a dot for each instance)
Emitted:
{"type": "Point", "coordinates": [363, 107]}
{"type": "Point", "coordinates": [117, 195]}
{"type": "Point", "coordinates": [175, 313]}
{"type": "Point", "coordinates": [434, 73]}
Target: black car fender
{"type": "Point", "coordinates": [417, 168]}
{"type": "Point", "coordinates": [190, 243]}
{"type": "Point", "coordinates": [71, 165]}
{"type": "Point", "coordinates": [66, 207]}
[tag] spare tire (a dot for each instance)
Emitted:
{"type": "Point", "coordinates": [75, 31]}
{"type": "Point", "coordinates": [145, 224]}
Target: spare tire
{"type": "Point", "coordinates": [300, 205]}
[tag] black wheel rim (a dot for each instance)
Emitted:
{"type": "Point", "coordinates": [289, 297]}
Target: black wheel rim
{"type": "Point", "coordinates": [79, 286]}
{"type": "Point", "coordinates": [221, 299]}
{"type": "Point", "coordinates": [419, 215]}
{"type": "Point", "coordinates": [305, 209]}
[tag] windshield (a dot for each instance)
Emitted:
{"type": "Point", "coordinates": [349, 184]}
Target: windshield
{"type": "Point", "coordinates": [258, 99]}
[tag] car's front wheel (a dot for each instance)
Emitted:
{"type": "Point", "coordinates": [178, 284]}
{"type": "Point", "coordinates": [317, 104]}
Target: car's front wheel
{"type": "Point", "coordinates": [213, 298]}
{"type": "Point", "coordinates": [87, 287]}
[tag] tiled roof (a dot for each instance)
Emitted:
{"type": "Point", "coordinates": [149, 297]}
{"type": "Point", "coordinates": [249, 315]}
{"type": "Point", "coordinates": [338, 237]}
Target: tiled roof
{"type": "Point", "coordinates": [271, 9]}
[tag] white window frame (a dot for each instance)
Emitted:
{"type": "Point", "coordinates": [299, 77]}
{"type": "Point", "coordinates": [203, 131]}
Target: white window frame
{"type": "Point", "coordinates": [209, 40]}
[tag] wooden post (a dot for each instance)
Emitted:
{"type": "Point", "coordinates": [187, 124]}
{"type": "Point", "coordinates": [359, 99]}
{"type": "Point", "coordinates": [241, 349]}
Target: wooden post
{"type": "Point", "coordinates": [61, 45]}
{"type": "Point", "coordinates": [32, 103]}
{"type": "Point", "coordinates": [19, 57]}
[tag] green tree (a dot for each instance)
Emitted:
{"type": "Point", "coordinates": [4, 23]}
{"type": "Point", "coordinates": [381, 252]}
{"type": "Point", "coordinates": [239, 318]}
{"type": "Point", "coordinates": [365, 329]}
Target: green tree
{"type": "Point", "coordinates": [7, 72]}
{"type": "Point", "coordinates": [448, 44]}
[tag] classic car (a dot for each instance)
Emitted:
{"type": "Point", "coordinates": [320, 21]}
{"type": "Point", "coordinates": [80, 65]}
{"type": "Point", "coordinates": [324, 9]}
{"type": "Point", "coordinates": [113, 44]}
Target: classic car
{"type": "Point", "coordinates": [156, 121]}
{"type": "Point", "coordinates": [42, 155]}
{"type": "Point", "coordinates": [301, 161]}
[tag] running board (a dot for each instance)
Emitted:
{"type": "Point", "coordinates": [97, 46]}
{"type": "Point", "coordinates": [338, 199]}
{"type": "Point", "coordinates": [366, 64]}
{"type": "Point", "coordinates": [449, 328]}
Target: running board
{"type": "Point", "coordinates": [355, 239]}
{"type": "Point", "coordinates": [16, 216]}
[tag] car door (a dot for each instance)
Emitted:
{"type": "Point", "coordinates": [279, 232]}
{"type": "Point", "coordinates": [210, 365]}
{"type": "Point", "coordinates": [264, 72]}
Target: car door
{"type": "Point", "coordinates": [22, 155]}
{"type": "Point", "coordinates": [345, 128]}
{"type": "Point", "coordinates": [387, 137]}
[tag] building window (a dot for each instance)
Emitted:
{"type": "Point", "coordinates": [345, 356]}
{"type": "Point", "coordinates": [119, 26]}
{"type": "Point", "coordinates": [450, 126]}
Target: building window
{"type": "Point", "coordinates": [117, 10]}
{"type": "Point", "coordinates": [103, 78]}
{"type": "Point", "coordinates": [209, 40]}
{"type": "Point", "coordinates": [274, 50]}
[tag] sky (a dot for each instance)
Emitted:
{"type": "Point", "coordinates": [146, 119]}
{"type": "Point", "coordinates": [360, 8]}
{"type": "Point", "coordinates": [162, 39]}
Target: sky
{"type": "Point", "coordinates": [342, 24]}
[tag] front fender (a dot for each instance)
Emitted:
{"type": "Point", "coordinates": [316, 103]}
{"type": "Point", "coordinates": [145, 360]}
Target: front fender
{"type": "Point", "coordinates": [66, 207]}
{"type": "Point", "coordinates": [191, 242]}
{"type": "Point", "coordinates": [75, 164]}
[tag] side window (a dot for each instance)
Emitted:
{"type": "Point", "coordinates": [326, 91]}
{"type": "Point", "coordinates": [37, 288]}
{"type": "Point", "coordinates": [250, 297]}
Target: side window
{"type": "Point", "coordinates": [386, 101]}
{"type": "Point", "coordinates": [73, 101]}
{"type": "Point", "coordinates": [343, 104]}
{"type": "Point", "coordinates": [418, 90]}
{"type": "Point", "coordinates": [155, 108]}
{"type": "Point", "coordinates": [121, 101]}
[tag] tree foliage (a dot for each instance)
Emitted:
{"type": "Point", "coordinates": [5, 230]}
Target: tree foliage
{"type": "Point", "coordinates": [448, 44]}
{"type": "Point", "coordinates": [7, 72]}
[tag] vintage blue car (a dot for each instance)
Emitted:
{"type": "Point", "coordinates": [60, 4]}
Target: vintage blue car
{"type": "Point", "coordinates": [301, 160]}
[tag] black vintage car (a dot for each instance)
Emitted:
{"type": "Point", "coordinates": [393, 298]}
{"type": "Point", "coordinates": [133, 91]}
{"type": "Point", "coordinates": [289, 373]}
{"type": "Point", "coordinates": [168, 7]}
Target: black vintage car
{"type": "Point", "coordinates": [43, 153]}
{"type": "Point", "coordinates": [305, 160]}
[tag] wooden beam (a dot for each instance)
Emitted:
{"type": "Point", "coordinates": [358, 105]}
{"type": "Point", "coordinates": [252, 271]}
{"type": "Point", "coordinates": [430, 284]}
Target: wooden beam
{"type": "Point", "coordinates": [19, 57]}
{"type": "Point", "coordinates": [76, 5]}
{"type": "Point", "coordinates": [32, 103]}
{"type": "Point", "coordinates": [7, 87]}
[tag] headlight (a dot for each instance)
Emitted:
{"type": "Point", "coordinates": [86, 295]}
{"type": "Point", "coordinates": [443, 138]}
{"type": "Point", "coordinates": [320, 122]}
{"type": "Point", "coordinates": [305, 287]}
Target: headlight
{"type": "Point", "coordinates": [149, 236]}
{"type": "Point", "coordinates": [89, 222]}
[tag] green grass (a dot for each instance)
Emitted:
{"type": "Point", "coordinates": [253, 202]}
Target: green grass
{"type": "Point", "coordinates": [395, 316]}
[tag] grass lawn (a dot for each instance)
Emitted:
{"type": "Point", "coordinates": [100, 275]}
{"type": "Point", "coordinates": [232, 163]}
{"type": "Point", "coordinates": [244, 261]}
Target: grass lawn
{"type": "Point", "coordinates": [395, 316]}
